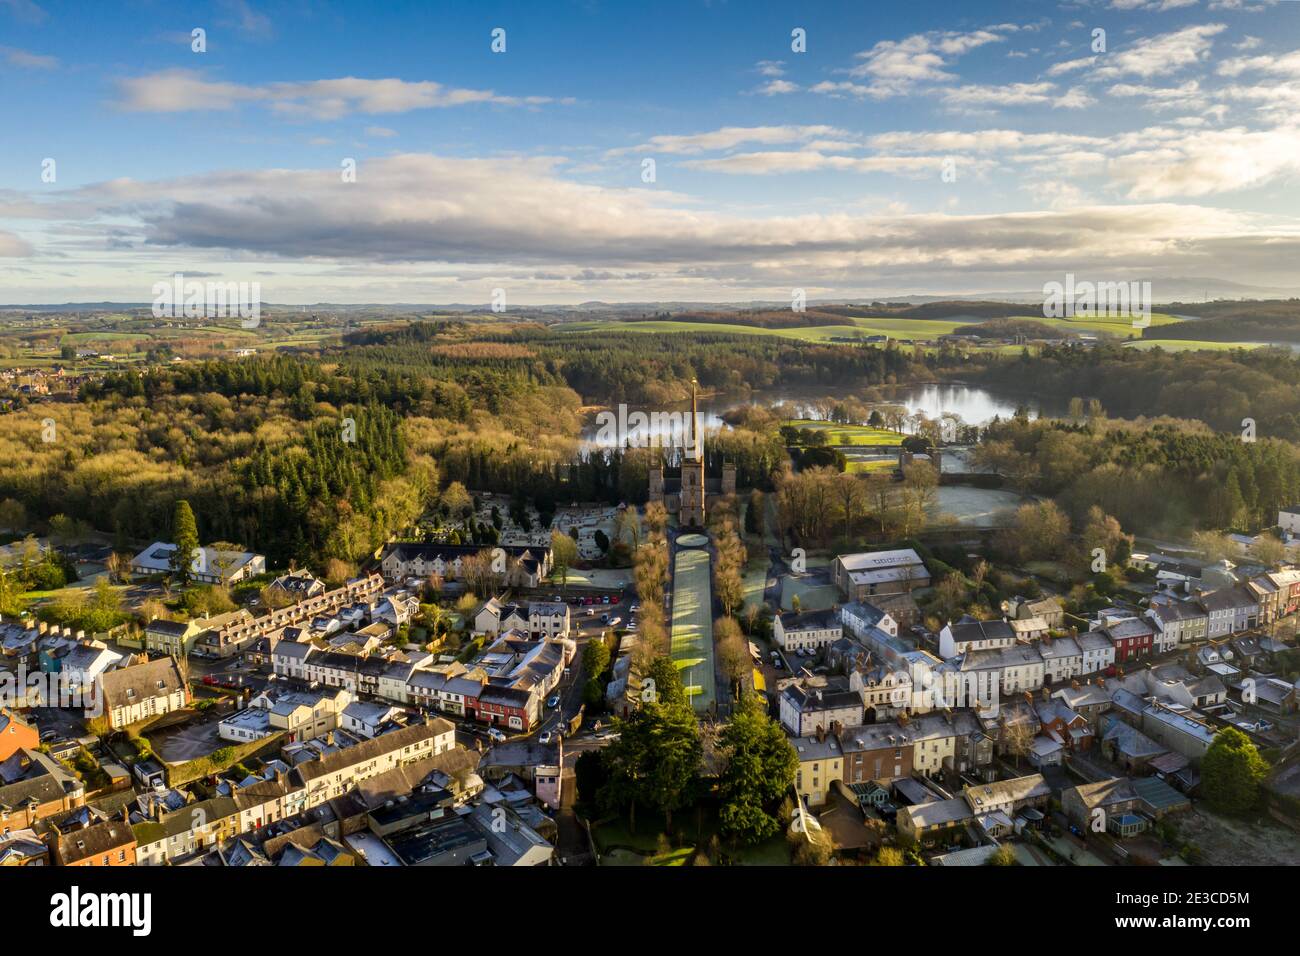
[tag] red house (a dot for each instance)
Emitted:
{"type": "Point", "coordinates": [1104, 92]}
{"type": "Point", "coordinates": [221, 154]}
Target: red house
{"type": "Point", "coordinates": [1064, 725]}
{"type": "Point", "coordinates": [1132, 639]}
{"type": "Point", "coordinates": [508, 707]}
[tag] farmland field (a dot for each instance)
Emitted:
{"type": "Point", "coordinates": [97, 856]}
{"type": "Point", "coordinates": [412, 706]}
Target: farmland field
{"type": "Point", "coordinates": [692, 625]}
{"type": "Point", "coordinates": [840, 435]}
{"type": "Point", "coordinates": [906, 330]}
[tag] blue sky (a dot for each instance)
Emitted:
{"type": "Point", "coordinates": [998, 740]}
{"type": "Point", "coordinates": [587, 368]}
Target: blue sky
{"type": "Point", "coordinates": [921, 147]}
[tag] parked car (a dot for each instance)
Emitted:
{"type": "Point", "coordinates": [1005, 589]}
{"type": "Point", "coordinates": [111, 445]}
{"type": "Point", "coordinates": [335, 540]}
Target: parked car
{"type": "Point", "coordinates": [604, 619]}
{"type": "Point", "coordinates": [545, 738]}
{"type": "Point", "coordinates": [554, 701]}
{"type": "Point", "coordinates": [634, 608]}
{"type": "Point", "coordinates": [615, 621]}
{"type": "Point", "coordinates": [494, 734]}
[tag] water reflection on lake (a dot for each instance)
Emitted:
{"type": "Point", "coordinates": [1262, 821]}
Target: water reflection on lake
{"type": "Point", "coordinates": [975, 405]}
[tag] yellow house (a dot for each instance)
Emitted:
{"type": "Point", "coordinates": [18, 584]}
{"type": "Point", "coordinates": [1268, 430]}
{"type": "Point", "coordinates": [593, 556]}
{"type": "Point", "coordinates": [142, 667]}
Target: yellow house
{"type": "Point", "coordinates": [821, 763]}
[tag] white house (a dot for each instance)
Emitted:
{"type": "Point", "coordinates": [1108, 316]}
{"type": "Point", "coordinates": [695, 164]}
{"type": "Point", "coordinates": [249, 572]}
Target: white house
{"type": "Point", "coordinates": [1288, 519]}
{"type": "Point", "coordinates": [1098, 652]}
{"type": "Point", "coordinates": [548, 618]}
{"type": "Point", "coordinates": [364, 718]}
{"type": "Point", "coordinates": [1062, 659]}
{"type": "Point", "coordinates": [209, 566]}
{"type": "Point", "coordinates": [131, 694]}
{"type": "Point", "coordinates": [806, 630]}
{"type": "Point", "coordinates": [969, 634]}
{"type": "Point", "coordinates": [858, 618]}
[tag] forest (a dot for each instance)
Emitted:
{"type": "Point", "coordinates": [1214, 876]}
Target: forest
{"type": "Point", "coordinates": [326, 453]}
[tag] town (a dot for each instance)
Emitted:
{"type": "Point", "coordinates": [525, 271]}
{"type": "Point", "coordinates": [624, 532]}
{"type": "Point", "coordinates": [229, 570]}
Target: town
{"type": "Point", "coordinates": [570, 441]}
{"type": "Point", "coordinates": [462, 703]}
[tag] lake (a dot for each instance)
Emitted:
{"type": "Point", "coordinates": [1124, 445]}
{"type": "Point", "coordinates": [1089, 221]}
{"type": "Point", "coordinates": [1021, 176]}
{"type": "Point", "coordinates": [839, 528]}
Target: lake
{"type": "Point", "coordinates": [974, 405]}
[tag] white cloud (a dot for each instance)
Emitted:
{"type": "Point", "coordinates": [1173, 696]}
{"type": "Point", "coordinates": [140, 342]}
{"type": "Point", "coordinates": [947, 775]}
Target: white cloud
{"type": "Point", "coordinates": [26, 60]}
{"type": "Point", "coordinates": [1157, 5]}
{"type": "Point", "coordinates": [810, 160]}
{"type": "Point", "coordinates": [777, 87]}
{"type": "Point", "coordinates": [1285, 65]}
{"type": "Point", "coordinates": [1210, 162]}
{"type": "Point", "coordinates": [1075, 98]}
{"type": "Point", "coordinates": [895, 67]}
{"type": "Point", "coordinates": [1163, 54]}
{"type": "Point", "coordinates": [520, 212]}
{"type": "Point", "coordinates": [1188, 95]}
{"type": "Point", "coordinates": [178, 90]}
{"type": "Point", "coordinates": [728, 137]}
{"type": "Point", "coordinates": [1011, 94]}
{"type": "Point", "coordinates": [1069, 66]}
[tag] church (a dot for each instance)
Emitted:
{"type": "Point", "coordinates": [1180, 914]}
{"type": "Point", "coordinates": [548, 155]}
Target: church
{"type": "Point", "coordinates": [685, 493]}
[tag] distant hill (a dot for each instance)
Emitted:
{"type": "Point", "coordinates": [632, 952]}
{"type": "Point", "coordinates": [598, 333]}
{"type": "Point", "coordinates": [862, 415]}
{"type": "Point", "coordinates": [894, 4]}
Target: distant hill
{"type": "Point", "coordinates": [1009, 328]}
{"type": "Point", "coordinates": [1276, 320]}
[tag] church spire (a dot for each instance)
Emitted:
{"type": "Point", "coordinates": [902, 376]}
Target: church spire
{"type": "Point", "coordinates": [697, 441]}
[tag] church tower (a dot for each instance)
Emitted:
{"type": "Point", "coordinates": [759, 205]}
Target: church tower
{"type": "Point", "coordinates": [691, 514]}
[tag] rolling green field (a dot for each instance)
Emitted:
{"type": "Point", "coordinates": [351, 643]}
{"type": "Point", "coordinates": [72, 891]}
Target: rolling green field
{"type": "Point", "coordinates": [692, 625]}
{"type": "Point", "coordinates": [837, 434]}
{"type": "Point", "coordinates": [881, 466]}
{"type": "Point", "coordinates": [74, 338]}
{"type": "Point", "coordinates": [906, 330]}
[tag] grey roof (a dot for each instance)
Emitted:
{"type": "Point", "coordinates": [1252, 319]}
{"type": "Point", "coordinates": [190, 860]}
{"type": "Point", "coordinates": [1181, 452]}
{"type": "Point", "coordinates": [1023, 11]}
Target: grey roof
{"type": "Point", "coordinates": [1227, 599]}
{"type": "Point", "coordinates": [43, 780]}
{"type": "Point", "coordinates": [939, 812]}
{"type": "Point", "coordinates": [1094, 641]}
{"type": "Point", "coordinates": [969, 631]}
{"type": "Point", "coordinates": [997, 657]}
{"type": "Point", "coordinates": [1061, 647]}
{"type": "Point", "coordinates": [810, 620]}
{"type": "Point", "coordinates": [129, 685]}
{"type": "Point", "coordinates": [1177, 611]}
{"type": "Point", "coordinates": [1105, 793]}
{"type": "Point", "coordinates": [1133, 627]}
{"type": "Point", "coordinates": [1130, 741]}
{"type": "Point", "coordinates": [368, 750]}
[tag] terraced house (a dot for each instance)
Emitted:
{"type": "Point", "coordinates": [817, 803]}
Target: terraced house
{"type": "Point", "coordinates": [525, 566]}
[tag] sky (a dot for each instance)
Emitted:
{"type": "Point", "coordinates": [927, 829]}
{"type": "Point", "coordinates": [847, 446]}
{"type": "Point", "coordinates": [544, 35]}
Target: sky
{"type": "Point", "coordinates": [568, 152]}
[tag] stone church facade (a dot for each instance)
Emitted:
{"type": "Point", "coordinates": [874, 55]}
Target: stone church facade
{"type": "Point", "coordinates": [686, 494]}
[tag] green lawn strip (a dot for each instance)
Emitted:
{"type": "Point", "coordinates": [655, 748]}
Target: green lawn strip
{"type": "Point", "coordinates": [692, 625]}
